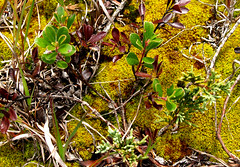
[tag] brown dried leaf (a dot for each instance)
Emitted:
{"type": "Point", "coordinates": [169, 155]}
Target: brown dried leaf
{"type": "Point", "coordinates": [116, 58]}
{"type": "Point", "coordinates": [12, 114]}
{"type": "Point", "coordinates": [4, 124]}
{"type": "Point", "coordinates": [142, 74]}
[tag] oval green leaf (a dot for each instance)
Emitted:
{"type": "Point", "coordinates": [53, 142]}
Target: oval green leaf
{"type": "Point", "coordinates": [51, 47]}
{"type": "Point", "coordinates": [70, 53]}
{"type": "Point", "coordinates": [56, 17]}
{"type": "Point", "coordinates": [132, 59]}
{"type": "Point", "coordinates": [148, 65]}
{"type": "Point", "coordinates": [148, 60]}
{"type": "Point", "coordinates": [148, 31]}
{"type": "Point", "coordinates": [49, 34]}
{"type": "Point", "coordinates": [42, 42]}
{"type": "Point", "coordinates": [61, 39]}
{"type": "Point", "coordinates": [70, 20]}
{"type": "Point", "coordinates": [136, 41]}
{"type": "Point", "coordinates": [60, 11]}
{"type": "Point", "coordinates": [170, 105]}
{"type": "Point", "coordinates": [68, 59]}
{"type": "Point", "coordinates": [179, 92]}
{"type": "Point", "coordinates": [158, 88]}
{"type": "Point", "coordinates": [154, 44]}
{"type": "Point", "coordinates": [63, 31]}
{"type": "Point", "coordinates": [170, 90]}
{"type": "Point", "coordinates": [49, 58]}
{"type": "Point", "coordinates": [155, 81]}
{"type": "Point", "coordinates": [62, 64]}
{"type": "Point", "coordinates": [65, 49]}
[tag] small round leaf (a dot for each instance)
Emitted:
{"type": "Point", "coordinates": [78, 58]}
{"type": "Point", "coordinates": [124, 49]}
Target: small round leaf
{"type": "Point", "coordinates": [62, 64]}
{"type": "Point", "coordinates": [132, 59]}
{"type": "Point", "coordinates": [148, 60]}
{"type": "Point", "coordinates": [170, 105]}
{"type": "Point", "coordinates": [65, 48]}
{"type": "Point", "coordinates": [42, 42]}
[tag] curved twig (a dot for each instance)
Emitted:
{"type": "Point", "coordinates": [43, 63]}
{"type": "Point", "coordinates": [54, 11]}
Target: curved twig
{"type": "Point", "coordinates": [221, 120]}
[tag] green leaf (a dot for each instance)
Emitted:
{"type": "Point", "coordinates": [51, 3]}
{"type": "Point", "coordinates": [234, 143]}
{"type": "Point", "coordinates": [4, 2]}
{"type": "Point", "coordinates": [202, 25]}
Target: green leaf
{"type": "Point", "coordinates": [49, 34]}
{"type": "Point", "coordinates": [51, 47]}
{"type": "Point", "coordinates": [155, 81]}
{"type": "Point", "coordinates": [68, 59]}
{"type": "Point", "coordinates": [62, 64]}
{"type": "Point", "coordinates": [63, 31]}
{"type": "Point", "coordinates": [56, 17]}
{"type": "Point", "coordinates": [73, 133]}
{"type": "Point", "coordinates": [70, 20]}
{"type": "Point", "coordinates": [170, 105]}
{"type": "Point", "coordinates": [134, 38]}
{"type": "Point", "coordinates": [132, 59]}
{"type": "Point", "coordinates": [170, 90]}
{"type": "Point", "coordinates": [25, 86]}
{"type": "Point", "coordinates": [73, 50]}
{"type": "Point", "coordinates": [158, 88]}
{"type": "Point", "coordinates": [58, 136]}
{"type": "Point", "coordinates": [61, 39]}
{"type": "Point", "coordinates": [148, 65]}
{"type": "Point", "coordinates": [61, 2]}
{"type": "Point", "coordinates": [154, 44]}
{"type": "Point", "coordinates": [42, 42]}
{"type": "Point", "coordinates": [49, 58]}
{"type": "Point", "coordinates": [28, 20]}
{"type": "Point", "coordinates": [148, 60]}
{"type": "Point", "coordinates": [149, 147]}
{"type": "Point", "coordinates": [60, 12]}
{"type": "Point", "coordinates": [139, 43]}
{"type": "Point", "coordinates": [65, 48]}
{"type": "Point", "coordinates": [148, 31]}
{"type": "Point", "coordinates": [179, 92]}
{"type": "Point", "coordinates": [63, 18]}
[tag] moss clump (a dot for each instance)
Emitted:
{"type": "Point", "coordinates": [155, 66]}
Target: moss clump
{"type": "Point", "coordinates": [10, 156]}
{"type": "Point", "coordinates": [171, 147]}
{"type": "Point", "coordinates": [110, 73]}
{"type": "Point", "coordinates": [82, 141]}
{"type": "Point", "coordinates": [5, 52]}
{"type": "Point", "coordinates": [174, 64]}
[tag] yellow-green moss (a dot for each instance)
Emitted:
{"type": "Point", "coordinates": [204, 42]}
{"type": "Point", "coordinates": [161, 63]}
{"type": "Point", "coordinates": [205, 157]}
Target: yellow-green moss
{"type": "Point", "coordinates": [17, 155]}
{"type": "Point", "coordinates": [10, 157]}
{"type": "Point", "coordinates": [172, 147]}
{"type": "Point", "coordinates": [203, 137]}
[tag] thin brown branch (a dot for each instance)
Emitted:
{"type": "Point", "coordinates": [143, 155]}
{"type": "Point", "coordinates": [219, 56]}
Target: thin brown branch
{"type": "Point", "coordinates": [236, 159]}
{"type": "Point", "coordinates": [213, 61]}
{"type": "Point", "coordinates": [211, 156]}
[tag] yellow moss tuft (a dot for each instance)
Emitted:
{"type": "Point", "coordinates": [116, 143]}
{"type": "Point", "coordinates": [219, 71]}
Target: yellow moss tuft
{"type": "Point", "coordinates": [171, 147]}
{"type": "Point", "coordinates": [10, 156]}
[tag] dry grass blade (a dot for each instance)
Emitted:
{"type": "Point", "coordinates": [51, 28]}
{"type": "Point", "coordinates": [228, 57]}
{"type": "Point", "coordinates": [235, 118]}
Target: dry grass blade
{"type": "Point", "coordinates": [212, 156]}
{"type": "Point", "coordinates": [50, 145]}
{"type": "Point", "coordinates": [105, 11]}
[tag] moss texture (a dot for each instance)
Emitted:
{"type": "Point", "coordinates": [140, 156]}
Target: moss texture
{"type": "Point", "coordinates": [173, 146]}
{"type": "Point", "coordinates": [16, 155]}
{"type": "Point", "coordinates": [170, 146]}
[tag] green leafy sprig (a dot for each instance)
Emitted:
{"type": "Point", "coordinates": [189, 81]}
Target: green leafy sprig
{"type": "Point", "coordinates": [57, 41]}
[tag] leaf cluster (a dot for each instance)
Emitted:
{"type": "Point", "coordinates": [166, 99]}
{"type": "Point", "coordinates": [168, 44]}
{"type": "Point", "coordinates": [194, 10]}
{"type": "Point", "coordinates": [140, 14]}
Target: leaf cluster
{"type": "Point", "coordinates": [181, 102]}
{"type": "Point", "coordinates": [57, 40]}
{"type": "Point", "coordinates": [125, 148]}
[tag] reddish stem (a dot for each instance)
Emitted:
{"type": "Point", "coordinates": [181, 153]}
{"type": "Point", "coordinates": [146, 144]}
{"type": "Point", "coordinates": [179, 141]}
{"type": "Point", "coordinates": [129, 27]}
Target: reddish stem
{"type": "Point", "coordinates": [220, 124]}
